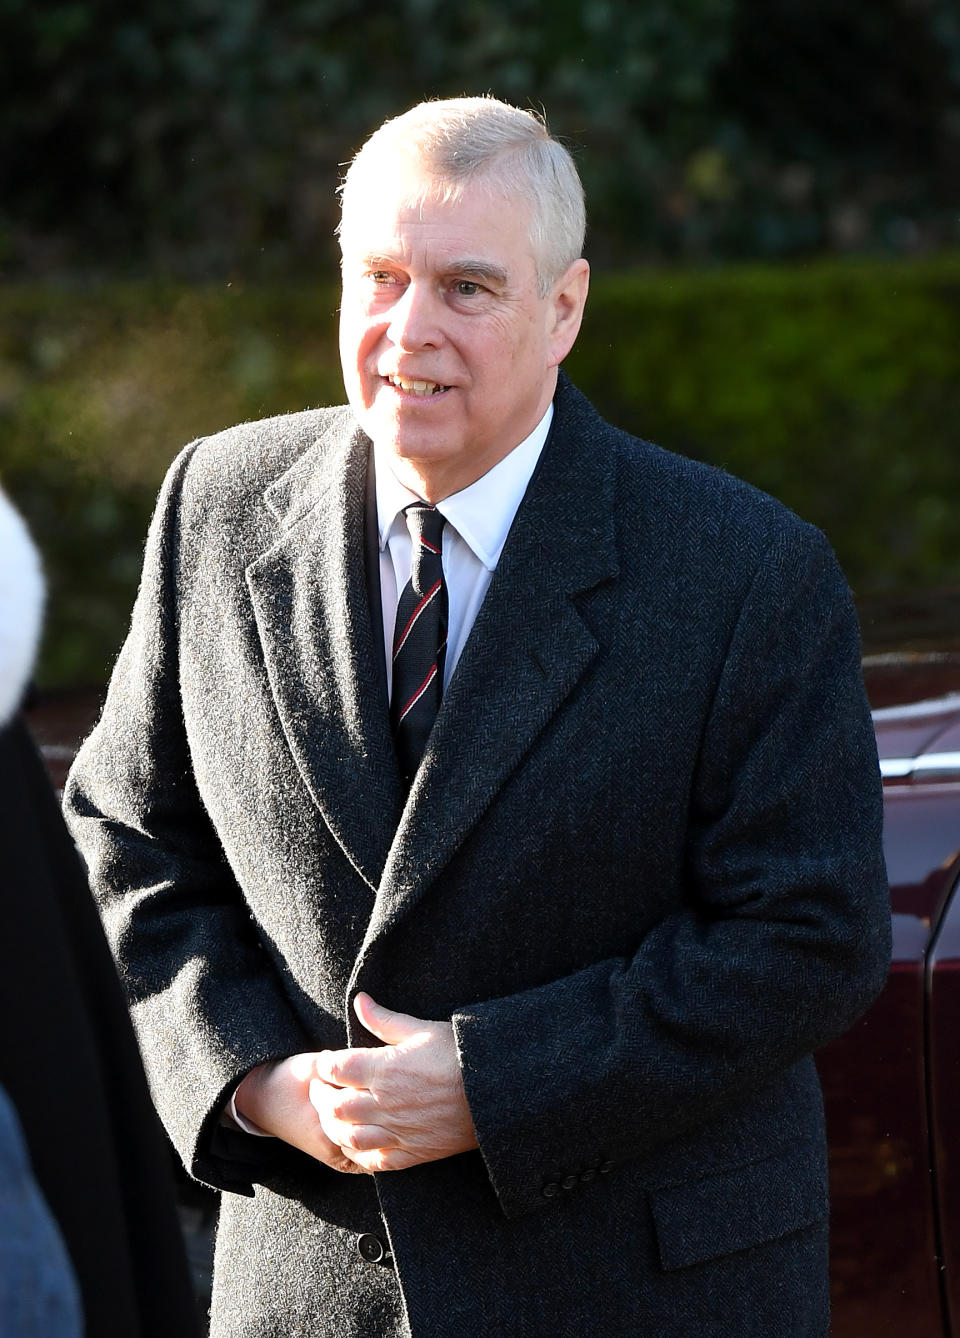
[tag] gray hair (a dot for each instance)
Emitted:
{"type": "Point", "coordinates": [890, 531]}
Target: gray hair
{"type": "Point", "coordinates": [461, 140]}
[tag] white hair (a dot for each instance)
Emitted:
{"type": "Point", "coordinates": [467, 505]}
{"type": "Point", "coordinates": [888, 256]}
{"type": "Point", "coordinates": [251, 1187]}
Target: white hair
{"type": "Point", "coordinates": [483, 140]}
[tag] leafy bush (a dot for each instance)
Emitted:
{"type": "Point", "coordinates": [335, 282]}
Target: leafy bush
{"type": "Point", "coordinates": [833, 386]}
{"type": "Point", "coordinates": [203, 139]}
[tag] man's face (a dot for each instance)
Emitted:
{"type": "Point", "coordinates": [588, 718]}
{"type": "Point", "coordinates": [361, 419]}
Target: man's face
{"type": "Point", "coordinates": [449, 352]}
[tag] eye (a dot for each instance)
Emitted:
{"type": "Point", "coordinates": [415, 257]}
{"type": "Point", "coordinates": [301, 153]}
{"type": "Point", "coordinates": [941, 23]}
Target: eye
{"type": "Point", "coordinates": [467, 288]}
{"type": "Point", "coordinates": [381, 276]}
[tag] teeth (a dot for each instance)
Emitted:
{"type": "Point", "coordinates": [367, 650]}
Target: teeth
{"type": "Point", "coordinates": [415, 387]}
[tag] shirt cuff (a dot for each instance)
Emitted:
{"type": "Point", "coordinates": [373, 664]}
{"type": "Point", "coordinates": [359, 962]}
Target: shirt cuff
{"type": "Point", "coordinates": [232, 1118]}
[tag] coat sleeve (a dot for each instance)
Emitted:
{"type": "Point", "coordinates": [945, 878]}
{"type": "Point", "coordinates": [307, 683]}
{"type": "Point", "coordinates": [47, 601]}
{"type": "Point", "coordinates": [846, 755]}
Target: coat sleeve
{"type": "Point", "coordinates": [781, 938]}
{"type": "Point", "coordinates": [206, 997]}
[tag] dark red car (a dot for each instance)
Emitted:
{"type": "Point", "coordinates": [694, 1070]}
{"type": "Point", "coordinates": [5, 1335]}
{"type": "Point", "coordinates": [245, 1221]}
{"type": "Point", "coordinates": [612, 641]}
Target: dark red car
{"type": "Point", "coordinates": [892, 1084]}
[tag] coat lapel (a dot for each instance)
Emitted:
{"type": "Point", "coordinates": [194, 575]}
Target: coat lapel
{"type": "Point", "coordinates": [526, 653]}
{"type": "Point", "coordinates": [312, 612]}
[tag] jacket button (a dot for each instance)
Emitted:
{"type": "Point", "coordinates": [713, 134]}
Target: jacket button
{"type": "Point", "coordinates": [372, 1249]}
{"type": "Point", "coordinates": [550, 1189]}
{"type": "Point", "coordinates": [605, 1167]}
{"type": "Point", "coordinates": [569, 1181]}
{"type": "Point", "coordinates": [587, 1175]}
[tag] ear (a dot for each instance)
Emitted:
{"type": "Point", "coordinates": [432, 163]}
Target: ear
{"type": "Point", "coordinates": [567, 300]}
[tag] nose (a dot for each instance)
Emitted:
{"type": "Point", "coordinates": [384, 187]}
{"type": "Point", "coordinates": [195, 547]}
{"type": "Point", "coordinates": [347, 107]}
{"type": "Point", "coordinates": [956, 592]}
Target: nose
{"type": "Point", "coordinates": [415, 319]}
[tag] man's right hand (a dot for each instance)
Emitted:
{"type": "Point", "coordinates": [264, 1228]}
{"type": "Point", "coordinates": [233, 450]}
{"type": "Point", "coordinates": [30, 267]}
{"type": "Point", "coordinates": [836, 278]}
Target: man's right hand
{"type": "Point", "coordinates": [276, 1097]}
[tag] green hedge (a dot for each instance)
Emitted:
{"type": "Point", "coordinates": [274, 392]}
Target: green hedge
{"type": "Point", "coordinates": [833, 386]}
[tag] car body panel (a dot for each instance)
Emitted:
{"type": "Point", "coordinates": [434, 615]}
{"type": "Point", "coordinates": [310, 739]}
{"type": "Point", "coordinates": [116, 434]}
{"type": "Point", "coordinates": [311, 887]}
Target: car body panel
{"type": "Point", "coordinates": [892, 1084]}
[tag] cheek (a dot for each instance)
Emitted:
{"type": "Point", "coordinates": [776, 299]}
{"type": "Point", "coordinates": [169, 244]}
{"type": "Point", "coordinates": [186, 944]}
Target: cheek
{"type": "Point", "coordinates": [357, 343]}
{"type": "Point", "coordinates": [493, 356]}
{"type": "Point", "coordinates": [517, 338]}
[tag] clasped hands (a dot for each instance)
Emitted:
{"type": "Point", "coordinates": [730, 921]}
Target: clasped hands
{"type": "Point", "coordinates": [381, 1108]}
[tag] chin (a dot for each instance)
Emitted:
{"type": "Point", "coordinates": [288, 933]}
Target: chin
{"type": "Point", "coordinates": [411, 442]}
{"type": "Point", "coordinates": [419, 452]}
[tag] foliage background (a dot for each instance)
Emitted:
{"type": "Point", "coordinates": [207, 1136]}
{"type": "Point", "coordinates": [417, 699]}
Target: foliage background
{"type": "Point", "coordinates": [201, 137]}
{"type": "Point", "coordinates": [774, 190]}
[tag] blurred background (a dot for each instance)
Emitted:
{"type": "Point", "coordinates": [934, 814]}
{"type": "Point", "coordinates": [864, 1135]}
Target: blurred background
{"type": "Point", "coordinates": [774, 198]}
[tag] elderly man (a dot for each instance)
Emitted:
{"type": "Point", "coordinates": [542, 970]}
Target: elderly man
{"type": "Point", "coordinates": [485, 814]}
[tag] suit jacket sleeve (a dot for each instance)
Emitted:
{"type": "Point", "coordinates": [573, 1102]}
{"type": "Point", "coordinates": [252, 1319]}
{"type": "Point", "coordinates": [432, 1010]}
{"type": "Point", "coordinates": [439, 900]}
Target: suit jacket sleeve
{"type": "Point", "coordinates": [783, 937]}
{"type": "Point", "coordinates": [203, 989]}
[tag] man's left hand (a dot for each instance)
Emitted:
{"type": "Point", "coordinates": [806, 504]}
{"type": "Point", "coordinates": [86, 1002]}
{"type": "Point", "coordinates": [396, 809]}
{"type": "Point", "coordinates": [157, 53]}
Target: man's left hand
{"type": "Point", "coordinates": [397, 1105]}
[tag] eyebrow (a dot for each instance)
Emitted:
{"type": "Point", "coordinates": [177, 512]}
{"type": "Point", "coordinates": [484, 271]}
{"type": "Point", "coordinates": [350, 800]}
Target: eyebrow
{"type": "Point", "coordinates": [478, 269]}
{"type": "Point", "coordinates": [466, 268]}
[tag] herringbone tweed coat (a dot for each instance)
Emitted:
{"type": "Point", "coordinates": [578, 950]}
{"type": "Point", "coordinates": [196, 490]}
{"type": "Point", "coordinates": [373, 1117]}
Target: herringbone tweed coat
{"type": "Point", "coordinates": [639, 868]}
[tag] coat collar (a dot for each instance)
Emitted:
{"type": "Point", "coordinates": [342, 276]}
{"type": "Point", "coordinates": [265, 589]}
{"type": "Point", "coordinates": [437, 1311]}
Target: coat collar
{"type": "Point", "coordinates": [312, 613]}
{"type": "Point", "coordinates": [525, 654]}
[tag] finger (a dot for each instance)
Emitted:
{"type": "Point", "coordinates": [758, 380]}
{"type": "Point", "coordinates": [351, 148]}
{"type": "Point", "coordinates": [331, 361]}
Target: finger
{"type": "Point", "coordinates": [347, 1166]}
{"type": "Point", "coordinates": [385, 1024]}
{"type": "Point", "coordinates": [331, 1127]}
{"type": "Point", "coordinates": [382, 1159]}
{"type": "Point", "coordinates": [362, 1138]}
{"type": "Point", "coordinates": [347, 1068]}
{"type": "Point", "coordinates": [354, 1105]}
{"type": "Point", "coordinates": [302, 1066]}
{"type": "Point", "coordinates": [333, 1156]}
{"type": "Point", "coordinates": [344, 1133]}
{"type": "Point", "coordinates": [347, 1104]}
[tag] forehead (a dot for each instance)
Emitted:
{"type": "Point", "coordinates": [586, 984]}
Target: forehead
{"type": "Point", "coordinates": [407, 216]}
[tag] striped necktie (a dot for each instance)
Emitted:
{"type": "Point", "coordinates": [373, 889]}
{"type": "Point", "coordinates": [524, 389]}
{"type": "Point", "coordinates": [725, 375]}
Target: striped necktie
{"type": "Point", "coordinates": [420, 640]}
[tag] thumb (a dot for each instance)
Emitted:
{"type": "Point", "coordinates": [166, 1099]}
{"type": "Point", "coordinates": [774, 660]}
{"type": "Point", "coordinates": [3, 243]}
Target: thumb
{"type": "Point", "coordinates": [385, 1024]}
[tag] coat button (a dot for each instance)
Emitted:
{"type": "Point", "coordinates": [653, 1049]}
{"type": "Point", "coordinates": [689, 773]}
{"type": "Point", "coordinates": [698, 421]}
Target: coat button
{"type": "Point", "coordinates": [587, 1175]}
{"type": "Point", "coordinates": [569, 1181]}
{"type": "Point", "coordinates": [605, 1167]}
{"type": "Point", "coordinates": [372, 1249]}
{"type": "Point", "coordinates": [550, 1189]}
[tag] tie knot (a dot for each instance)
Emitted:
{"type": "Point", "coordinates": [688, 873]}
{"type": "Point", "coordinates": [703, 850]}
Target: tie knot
{"type": "Point", "coordinates": [425, 524]}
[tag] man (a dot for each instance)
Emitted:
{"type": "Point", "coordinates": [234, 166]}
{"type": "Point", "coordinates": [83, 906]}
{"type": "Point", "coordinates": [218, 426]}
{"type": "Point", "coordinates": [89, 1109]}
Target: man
{"type": "Point", "coordinates": [548, 956]}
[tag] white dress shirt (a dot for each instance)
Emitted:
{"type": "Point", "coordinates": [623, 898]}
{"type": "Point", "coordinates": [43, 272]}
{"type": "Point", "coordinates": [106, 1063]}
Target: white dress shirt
{"type": "Point", "coordinates": [478, 522]}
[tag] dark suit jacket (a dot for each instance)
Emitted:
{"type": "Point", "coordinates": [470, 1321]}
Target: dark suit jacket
{"type": "Point", "coordinates": [639, 868]}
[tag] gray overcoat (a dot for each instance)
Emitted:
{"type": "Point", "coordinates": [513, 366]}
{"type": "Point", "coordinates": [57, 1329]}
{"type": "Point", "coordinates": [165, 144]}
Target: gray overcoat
{"type": "Point", "coordinates": [639, 868]}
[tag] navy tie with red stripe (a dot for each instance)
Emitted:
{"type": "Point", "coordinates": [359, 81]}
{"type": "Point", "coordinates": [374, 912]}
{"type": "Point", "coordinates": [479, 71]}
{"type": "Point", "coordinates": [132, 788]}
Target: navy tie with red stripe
{"type": "Point", "coordinates": [420, 640]}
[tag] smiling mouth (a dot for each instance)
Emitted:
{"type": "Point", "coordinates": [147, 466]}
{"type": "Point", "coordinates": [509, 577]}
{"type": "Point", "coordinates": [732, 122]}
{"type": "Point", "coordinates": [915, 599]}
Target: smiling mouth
{"type": "Point", "coordinates": [411, 387]}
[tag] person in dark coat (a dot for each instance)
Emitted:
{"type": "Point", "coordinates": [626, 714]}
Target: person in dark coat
{"type": "Point", "coordinates": [483, 975]}
{"type": "Point", "coordinates": [69, 1062]}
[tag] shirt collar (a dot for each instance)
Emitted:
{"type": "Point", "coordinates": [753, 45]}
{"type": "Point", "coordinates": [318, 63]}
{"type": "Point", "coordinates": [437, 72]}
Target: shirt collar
{"type": "Point", "coordinates": [481, 513]}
